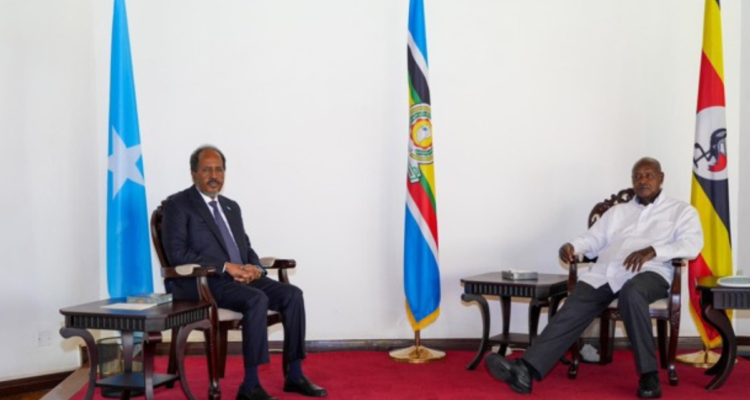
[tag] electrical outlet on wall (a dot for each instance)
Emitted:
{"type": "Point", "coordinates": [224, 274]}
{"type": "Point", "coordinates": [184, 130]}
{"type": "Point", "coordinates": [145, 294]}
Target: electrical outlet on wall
{"type": "Point", "coordinates": [44, 338]}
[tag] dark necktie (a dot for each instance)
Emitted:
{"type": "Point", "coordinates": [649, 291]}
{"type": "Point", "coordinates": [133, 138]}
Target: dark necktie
{"type": "Point", "coordinates": [231, 245]}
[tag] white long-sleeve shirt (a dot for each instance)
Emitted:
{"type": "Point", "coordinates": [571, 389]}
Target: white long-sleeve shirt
{"type": "Point", "coordinates": [671, 227]}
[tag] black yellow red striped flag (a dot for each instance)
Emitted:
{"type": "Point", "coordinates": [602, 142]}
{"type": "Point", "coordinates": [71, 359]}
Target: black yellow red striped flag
{"type": "Point", "coordinates": [710, 187]}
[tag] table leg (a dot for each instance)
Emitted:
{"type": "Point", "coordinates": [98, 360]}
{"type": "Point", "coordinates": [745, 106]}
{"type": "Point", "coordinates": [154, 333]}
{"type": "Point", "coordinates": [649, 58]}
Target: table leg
{"type": "Point", "coordinates": [535, 309]}
{"type": "Point", "coordinates": [172, 366]}
{"type": "Point", "coordinates": [93, 355]}
{"type": "Point", "coordinates": [126, 338]}
{"type": "Point", "coordinates": [150, 341]}
{"type": "Point", "coordinates": [505, 303]}
{"type": "Point", "coordinates": [554, 304]}
{"type": "Point", "coordinates": [214, 392]}
{"type": "Point", "coordinates": [723, 368]}
{"type": "Point", "coordinates": [484, 309]}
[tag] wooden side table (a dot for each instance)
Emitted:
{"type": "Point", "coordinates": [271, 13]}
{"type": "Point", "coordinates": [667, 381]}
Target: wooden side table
{"type": "Point", "coordinates": [714, 300]}
{"type": "Point", "coordinates": [183, 315]}
{"type": "Point", "coordinates": [546, 291]}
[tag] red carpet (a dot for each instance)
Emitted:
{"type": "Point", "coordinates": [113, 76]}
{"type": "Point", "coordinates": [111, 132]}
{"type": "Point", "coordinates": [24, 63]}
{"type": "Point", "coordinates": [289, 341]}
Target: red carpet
{"type": "Point", "coordinates": [372, 375]}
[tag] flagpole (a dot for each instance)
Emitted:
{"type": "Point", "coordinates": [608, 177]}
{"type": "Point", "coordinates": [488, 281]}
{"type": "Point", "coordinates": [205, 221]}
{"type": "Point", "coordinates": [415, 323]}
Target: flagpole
{"type": "Point", "coordinates": [709, 190]}
{"type": "Point", "coordinates": [421, 271]}
{"type": "Point", "coordinates": [417, 354]}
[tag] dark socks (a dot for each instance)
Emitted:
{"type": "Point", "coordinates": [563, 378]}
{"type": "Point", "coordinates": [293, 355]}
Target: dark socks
{"type": "Point", "coordinates": [295, 370]}
{"type": "Point", "coordinates": [251, 379]}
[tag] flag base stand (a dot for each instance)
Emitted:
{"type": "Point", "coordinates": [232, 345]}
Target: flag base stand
{"type": "Point", "coordinates": [700, 359]}
{"type": "Point", "coordinates": [417, 354]}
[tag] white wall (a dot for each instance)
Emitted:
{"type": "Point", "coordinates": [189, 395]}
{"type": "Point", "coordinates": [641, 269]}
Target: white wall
{"type": "Point", "coordinates": [49, 165]}
{"type": "Point", "coordinates": [540, 109]}
{"type": "Point", "coordinates": [742, 249]}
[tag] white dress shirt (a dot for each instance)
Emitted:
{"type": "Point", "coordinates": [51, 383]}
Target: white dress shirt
{"type": "Point", "coordinates": [671, 227]}
{"type": "Point", "coordinates": [208, 200]}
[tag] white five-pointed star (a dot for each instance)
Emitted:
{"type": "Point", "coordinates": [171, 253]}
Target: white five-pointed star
{"type": "Point", "coordinates": [122, 163]}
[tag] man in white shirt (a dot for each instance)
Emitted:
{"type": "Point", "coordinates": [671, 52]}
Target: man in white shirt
{"type": "Point", "coordinates": [634, 243]}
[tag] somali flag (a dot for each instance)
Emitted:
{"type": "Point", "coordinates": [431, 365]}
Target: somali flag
{"type": "Point", "coordinates": [128, 248]}
{"type": "Point", "coordinates": [421, 274]}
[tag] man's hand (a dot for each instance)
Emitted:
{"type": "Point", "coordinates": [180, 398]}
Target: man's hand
{"type": "Point", "coordinates": [255, 271]}
{"type": "Point", "coordinates": [637, 258]}
{"type": "Point", "coordinates": [243, 273]}
{"type": "Point", "coordinates": [566, 253]}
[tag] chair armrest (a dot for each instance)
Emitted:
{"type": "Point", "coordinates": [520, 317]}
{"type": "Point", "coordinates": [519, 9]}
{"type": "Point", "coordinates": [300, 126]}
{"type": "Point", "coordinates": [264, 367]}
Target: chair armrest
{"type": "Point", "coordinates": [200, 273]}
{"type": "Point", "coordinates": [277, 263]}
{"type": "Point", "coordinates": [572, 276]}
{"type": "Point", "coordinates": [280, 264]}
{"type": "Point", "coordinates": [188, 271]}
{"type": "Point", "coordinates": [573, 271]}
{"type": "Point", "coordinates": [675, 291]}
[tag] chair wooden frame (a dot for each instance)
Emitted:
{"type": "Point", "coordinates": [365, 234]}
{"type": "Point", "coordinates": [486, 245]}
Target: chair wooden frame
{"type": "Point", "coordinates": [666, 317]}
{"type": "Point", "coordinates": [217, 337]}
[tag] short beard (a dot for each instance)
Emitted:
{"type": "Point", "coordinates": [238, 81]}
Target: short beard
{"type": "Point", "coordinates": [211, 195]}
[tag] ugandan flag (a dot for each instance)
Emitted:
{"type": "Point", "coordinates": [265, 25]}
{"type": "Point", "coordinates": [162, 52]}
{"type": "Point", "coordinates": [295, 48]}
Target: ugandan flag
{"type": "Point", "coordinates": [710, 191]}
{"type": "Point", "coordinates": [421, 274]}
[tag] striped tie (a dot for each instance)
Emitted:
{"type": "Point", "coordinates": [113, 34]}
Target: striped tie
{"type": "Point", "coordinates": [234, 252]}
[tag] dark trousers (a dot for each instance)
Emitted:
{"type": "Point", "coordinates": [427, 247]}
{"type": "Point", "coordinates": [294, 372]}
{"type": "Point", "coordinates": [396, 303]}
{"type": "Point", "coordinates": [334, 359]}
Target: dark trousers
{"type": "Point", "coordinates": [585, 304]}
{"type": "Point", "coordinates": [254, 300]}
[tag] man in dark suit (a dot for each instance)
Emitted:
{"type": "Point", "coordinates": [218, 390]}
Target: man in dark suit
{"type": "Point", "coordinates": [200, 226]}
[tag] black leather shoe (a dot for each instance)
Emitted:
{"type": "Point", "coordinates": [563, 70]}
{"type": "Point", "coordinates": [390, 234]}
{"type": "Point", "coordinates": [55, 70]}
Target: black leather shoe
{"type": "Point", "coordinates": [513, 372]}
{"type": "Point", "coordinates": [649, 387]}
{"type": "Point", "coordinates": [304, 387]}
{"type": "Point", "coordinates": [258, 393]}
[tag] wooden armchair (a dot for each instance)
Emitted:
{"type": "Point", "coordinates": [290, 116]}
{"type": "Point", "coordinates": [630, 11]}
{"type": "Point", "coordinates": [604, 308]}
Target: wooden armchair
{"type": "Point", "coordinates": [222, 320]}
{"type": "Point", "coordinates": [665, 311]}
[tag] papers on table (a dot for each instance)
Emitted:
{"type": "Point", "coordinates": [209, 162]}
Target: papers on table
{"type": "Point", "coordinates": [129, 306]}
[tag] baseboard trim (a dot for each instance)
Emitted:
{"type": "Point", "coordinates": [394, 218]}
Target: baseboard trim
{"type": "Point", "coordinates": [316, 346]}
{"type": "Point", "coordinates": [32, 384]}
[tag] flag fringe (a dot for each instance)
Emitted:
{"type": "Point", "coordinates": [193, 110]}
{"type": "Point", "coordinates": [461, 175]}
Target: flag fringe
{"type": "Point", "coordinates": [418, 326]}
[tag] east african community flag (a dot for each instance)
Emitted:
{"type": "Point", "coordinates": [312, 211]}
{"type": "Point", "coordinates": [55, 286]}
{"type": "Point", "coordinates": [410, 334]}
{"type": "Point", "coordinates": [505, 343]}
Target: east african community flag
{"type": "Point", "coordinates": [421, 274]}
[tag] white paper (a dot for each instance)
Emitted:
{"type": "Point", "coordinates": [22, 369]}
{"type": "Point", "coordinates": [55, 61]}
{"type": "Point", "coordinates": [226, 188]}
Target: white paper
{"type": "Point", "coordinates": [129, 306]}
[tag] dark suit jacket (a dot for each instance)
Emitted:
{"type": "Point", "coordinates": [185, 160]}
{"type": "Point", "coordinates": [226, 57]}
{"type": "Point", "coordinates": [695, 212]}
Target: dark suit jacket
{"type": "Point", "coordinates": [190, 236]}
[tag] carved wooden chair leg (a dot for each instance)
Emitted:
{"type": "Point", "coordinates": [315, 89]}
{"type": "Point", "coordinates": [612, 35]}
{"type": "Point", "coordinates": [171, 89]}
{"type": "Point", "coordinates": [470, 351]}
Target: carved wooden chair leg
{"type": "Point", "coordinates": [611, 342]}
{"type": "Point", "coordinates": [661, 335]}
{"type": "Point", "coordinates": [606, 334]}
{"type": "Point", "coordinates": [222, 349]}
{"type": "Point", "coordinates": [575, 359]}
{"type": "Point", "coordinates": [674, 337]}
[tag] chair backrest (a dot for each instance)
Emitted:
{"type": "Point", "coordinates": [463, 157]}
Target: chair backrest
{"type": "Point", "coordinates": [156, 219]}
{"type": "Point", "coordinates": [623, 196]}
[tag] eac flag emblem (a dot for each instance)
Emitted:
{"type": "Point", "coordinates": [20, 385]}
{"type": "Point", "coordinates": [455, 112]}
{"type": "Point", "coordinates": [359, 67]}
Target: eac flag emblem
{"type": "Point", "coordinates": [420, 143]}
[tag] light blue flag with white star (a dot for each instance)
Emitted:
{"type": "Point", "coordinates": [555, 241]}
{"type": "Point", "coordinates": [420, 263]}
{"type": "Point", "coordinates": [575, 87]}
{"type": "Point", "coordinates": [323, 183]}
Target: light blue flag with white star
{"type": "Point", "coordinates": [128, 248]}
